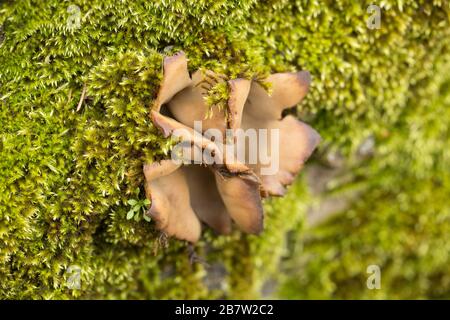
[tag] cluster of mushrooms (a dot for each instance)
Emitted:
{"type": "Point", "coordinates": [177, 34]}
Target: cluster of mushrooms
{"type": "Point", "coordinates": [183, 195]}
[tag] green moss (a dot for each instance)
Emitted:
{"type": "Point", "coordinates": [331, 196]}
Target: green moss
{"type": "Point", "coordinates": [66, 175]}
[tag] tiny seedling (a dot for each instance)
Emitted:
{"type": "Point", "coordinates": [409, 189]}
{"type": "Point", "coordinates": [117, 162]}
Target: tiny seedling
{"type": "Point", "coordinates": [138, 207]}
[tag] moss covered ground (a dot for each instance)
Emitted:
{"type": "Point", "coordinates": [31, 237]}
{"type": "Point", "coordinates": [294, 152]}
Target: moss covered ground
{"type": "Point", "coordinates": [66, 175]}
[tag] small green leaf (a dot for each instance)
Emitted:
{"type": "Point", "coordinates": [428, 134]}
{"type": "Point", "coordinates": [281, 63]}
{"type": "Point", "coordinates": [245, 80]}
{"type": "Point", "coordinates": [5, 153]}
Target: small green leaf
{"type": "Point", "coordinates": [137, 217]}
{"type": "Point", "coordinates": [132, 202]}
{"type": "Point", "coordinates": [147, 218]}
{"type": "Point", "coordinates": [137, 207]}
{"type": "Point", "coordinates": [146, 202]}
{"type": "Point", "coordinates": [130, 214]}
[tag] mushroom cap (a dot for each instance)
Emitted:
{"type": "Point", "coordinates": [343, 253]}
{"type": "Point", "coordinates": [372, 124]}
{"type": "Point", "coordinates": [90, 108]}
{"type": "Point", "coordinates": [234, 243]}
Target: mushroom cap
{"type": "Point", "coordinates": [297, 140]}
{"type": "Point", "coordinates": [239, 90]}
{"type": "Point", "coordinates": [206, 200]}
{"type": "Point", "coordinates": [182, 196]}
{"type": "Point", "coordinates": [216, 195]}
{"type": "Point", "coordinates": [218, 188]}
{"type": "Point", "coordinates": [241, 196]}
{"type": "Point", "coordinates": [189, 105]}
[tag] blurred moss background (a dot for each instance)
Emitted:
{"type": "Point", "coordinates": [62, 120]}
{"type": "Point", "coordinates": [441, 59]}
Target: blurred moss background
{"type": "Point", "coordinates": [376, 192]}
